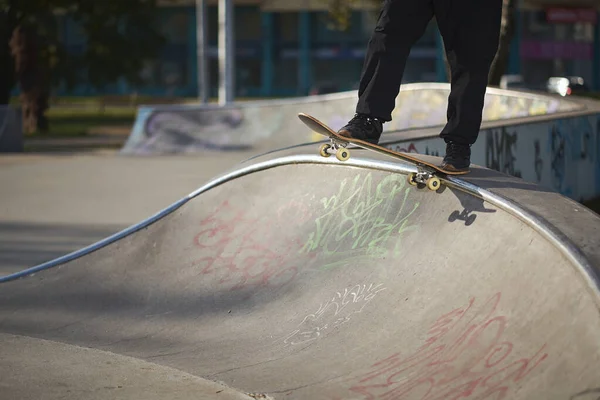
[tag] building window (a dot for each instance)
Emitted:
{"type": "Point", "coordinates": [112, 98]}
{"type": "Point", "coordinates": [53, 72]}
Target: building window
{"type": "Point", "coordinates": [175, 26]}
{"type": "Point", "coordinates": [286, 27]}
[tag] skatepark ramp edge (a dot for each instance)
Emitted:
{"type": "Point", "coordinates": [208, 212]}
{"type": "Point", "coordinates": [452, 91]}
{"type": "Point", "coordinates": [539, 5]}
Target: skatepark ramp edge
{"type": "Point", "coordinates": [268, 124]}
{"type": "Point", "coordinates": [296, 276]}
{"type": "Point", "coordinates": [254, 164]}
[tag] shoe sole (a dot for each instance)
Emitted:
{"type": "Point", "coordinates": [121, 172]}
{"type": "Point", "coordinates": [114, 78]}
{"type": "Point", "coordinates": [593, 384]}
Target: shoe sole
{"type": "Point", "coordinates": [345, 134]}
{"type": "Point", "coordinates": [451, 168]}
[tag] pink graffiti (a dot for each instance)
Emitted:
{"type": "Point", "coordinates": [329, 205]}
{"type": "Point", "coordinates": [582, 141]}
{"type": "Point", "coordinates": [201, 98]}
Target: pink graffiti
{"type": "Point", "coordinates": [411, 149]}
{"type": "Point", "coordinates": [243, 251]}
{"type": "Point", "coordinates": [464, 357]}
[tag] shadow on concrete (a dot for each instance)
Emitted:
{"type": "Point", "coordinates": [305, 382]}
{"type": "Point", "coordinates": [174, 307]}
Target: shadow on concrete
{"type": "Point", "coordinates": [491, 180]}
{"type": "Point", "coordinates": [24, 245]}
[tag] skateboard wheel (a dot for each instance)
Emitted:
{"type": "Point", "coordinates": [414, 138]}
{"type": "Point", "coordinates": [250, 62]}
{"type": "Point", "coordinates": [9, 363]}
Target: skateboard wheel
{"type": "Point", "coordinates": [343, 154]}
{"type": "Point", "coordinates": [323, 151]}
{"type": "Point", "coordinates": [433, 183]}
{"type": "Point", "coordinates": [411, 179]}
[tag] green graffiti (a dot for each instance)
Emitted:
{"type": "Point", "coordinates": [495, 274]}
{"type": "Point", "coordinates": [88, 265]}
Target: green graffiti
{"type": "Point", "coordinates": [362, 220]}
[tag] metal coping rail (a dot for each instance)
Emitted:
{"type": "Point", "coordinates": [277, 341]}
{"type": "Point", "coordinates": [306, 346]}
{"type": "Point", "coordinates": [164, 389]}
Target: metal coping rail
{"type": "Point", "coordinates": [539, 224]}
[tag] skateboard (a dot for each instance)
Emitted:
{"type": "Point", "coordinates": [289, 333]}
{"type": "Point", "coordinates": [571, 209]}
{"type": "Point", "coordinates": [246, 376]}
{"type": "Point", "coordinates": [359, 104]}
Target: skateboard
{"type": "Point", "coordinates": [426, 171]}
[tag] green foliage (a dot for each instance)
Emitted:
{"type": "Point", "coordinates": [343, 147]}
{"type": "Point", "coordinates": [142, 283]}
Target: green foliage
{"type": "Point", "coordinates": [119, 36]}
{"type": "Point", "coordinates": [339, 12]}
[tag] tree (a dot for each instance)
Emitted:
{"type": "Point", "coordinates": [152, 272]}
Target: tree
{"type": "Point", "coordinates": [8, 23]}
{"type": "Point", "coordinates": [120, 35]}
{"type": "Point", "coordinates": [339, 15]}
{"type": "Point", "coordinates": [32, 78]}
{"type": "Point", "coordinates": [507, 32]}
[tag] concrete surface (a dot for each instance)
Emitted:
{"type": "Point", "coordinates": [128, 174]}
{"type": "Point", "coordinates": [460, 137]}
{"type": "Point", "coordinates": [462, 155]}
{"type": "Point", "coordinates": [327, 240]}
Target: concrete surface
{"type": "Point", "coordinates": [11, 130]}
{"type": "Point", "coordinates": [311, 279]}
{"type": "Point", "coordinates": [558, 152]}
{"type": "Point", "coordinates": [59, 368]}
{"type": "Point", "coordinates": [52, 204]}
{"type": "Point", "coordinates": [545, 139]}
{"type": "Point", "coordinates": [165, 129]}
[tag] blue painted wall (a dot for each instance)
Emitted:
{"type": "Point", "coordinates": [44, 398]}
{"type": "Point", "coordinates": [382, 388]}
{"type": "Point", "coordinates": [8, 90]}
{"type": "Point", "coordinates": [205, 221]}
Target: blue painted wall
{"type": "Point", "coordinates": [274, 62]}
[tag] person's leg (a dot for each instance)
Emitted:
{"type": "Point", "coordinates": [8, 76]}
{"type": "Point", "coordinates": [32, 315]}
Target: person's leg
{"type": "Point", "coordinates": [470, 30]}
{"type": "Point", "coordinates": [400, 24]}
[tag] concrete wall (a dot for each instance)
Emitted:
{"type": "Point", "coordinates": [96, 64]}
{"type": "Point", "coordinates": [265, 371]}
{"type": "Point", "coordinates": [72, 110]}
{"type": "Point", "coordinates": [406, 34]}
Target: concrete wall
{"type": "Point", "coordinates": [11, 130]}
{"type": "Point", "coordinates": [562, 155]}
{"type": "Point", "coordinates": [273, 124]}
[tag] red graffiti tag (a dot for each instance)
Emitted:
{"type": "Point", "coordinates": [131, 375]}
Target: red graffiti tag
{"type": "Point", "coordinates": [464, 357]}
{"type": "Point", "coordinates": [411, 149]}
{"type": "Point", "coordinates": [243, 251]}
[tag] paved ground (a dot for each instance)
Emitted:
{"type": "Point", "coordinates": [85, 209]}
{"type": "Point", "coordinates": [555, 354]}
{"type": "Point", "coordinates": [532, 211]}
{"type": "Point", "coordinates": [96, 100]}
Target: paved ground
{"type": "Point", "coordinates": [337, 282]}
{"type": "Point", "coordinates": [52, 204]}
{"type": "Point", "coordinates": [64, 368]}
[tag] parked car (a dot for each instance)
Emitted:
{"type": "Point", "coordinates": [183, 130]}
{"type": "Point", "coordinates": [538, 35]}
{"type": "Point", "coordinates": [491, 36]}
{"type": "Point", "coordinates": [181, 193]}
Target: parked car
{"type": "Point", "coordinates": [566, 85]}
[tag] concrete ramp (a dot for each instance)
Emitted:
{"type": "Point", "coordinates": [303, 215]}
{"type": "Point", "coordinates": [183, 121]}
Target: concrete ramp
{"type": "Point", "coordinates": [298, 277]}
{"type": "Point", "coordinates": [271, 124]}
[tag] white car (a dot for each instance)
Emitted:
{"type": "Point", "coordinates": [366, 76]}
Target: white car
{"type": "Point", "coordinates": [566, 86]}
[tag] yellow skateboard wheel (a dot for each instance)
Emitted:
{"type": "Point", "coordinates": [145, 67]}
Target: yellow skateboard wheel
{"type": "Point", "coordinates": [343, 154]}
{"type": "Point", "coordinates": [434, 183]}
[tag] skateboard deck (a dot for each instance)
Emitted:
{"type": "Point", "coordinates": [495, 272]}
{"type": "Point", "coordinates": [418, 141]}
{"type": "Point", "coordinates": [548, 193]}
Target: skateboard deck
{"type": "Point", "coordinates": [338, 146]}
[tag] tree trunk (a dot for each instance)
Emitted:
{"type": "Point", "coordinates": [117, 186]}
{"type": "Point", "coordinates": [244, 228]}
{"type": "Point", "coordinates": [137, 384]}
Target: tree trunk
{"type": "Point", "coordinates": [30, 75]}
{"type": "Point", "coordinates": [7, 66]}
{"type": "Point", "coordinates": [507, 31]}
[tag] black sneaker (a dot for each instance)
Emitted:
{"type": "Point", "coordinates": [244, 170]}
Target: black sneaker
{"type": "Point", "coordinates": [458, 157]}
{"type": "Point", "coordinates": [363, 127]}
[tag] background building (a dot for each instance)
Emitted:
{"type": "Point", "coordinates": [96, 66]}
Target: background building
{"type": "Point", "coordinates": [285, 48]}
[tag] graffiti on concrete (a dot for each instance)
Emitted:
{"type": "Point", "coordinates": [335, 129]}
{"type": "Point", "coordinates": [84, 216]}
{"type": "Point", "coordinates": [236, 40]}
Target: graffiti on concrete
{"type": "Point", "coordinates": [187, 130]}
{"type": "Point", "coordinates": [238, 252]}
{"type": "Point", "coordinates": [466, 355]}
{"type": "Point", "coordinates": [558, 160]}
{"type": "Point", "coordinates": [586, 148]}
{"type": "Point", "coordinates": [538, 162]}
{"type": "Point", "coordinates": [242, 251]}
{"type": "Point", "coordinates": [562, 155]}
{"type": "Point", "coordinates": [357, 222]}
{"type": "Point", "coordinates": [431, 152]}
{"type": "Point", "coordinates": [501, 149]}
{"type": "Point", "coordinates": [335, 312]}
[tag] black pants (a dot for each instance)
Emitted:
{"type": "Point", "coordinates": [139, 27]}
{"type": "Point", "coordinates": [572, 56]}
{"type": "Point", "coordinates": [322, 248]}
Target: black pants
{"type": "Point", "coordinates": [470, 30]}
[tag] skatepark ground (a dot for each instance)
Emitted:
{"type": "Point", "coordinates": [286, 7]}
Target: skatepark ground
{"type": "Point", "coordinates": [292, 276]}
{"type": "Point", "coordinates": [55, 203]}
{"type": "Point", "coordinates": [285, 275]}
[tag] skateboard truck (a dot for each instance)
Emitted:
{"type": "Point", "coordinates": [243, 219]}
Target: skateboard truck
{"type": "Point", "coordinates": [427, 171]}
{"type": "Point", "coordinates": [424, 178]}
{"type": "Point", "coordinates": [335, 147]}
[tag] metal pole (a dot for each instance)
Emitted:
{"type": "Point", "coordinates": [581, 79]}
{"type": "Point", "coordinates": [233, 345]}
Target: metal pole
{"type": "Point", "coordinates": [226, 52]}
{"type": "Point", "coordinates": [201, 51]}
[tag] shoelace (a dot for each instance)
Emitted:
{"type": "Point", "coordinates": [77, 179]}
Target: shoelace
{"type": "Point", "coordinates": [363, 119]}
{"type": "Point", "coordinates": [458, 149]}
